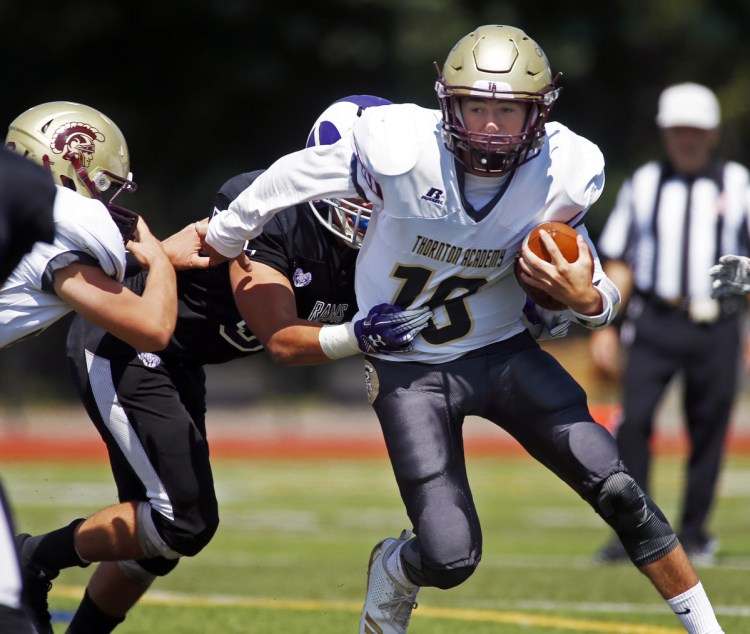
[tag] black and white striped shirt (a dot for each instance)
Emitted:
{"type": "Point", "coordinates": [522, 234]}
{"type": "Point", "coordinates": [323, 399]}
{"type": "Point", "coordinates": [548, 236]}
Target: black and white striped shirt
{"type": "Point", "coordinates": [671, 229]}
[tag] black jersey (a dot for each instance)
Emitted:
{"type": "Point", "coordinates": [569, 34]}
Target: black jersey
{"type": "Point", "coordinates": [27, 197]}
{"type": "Point", "coordinates": [320, 269]}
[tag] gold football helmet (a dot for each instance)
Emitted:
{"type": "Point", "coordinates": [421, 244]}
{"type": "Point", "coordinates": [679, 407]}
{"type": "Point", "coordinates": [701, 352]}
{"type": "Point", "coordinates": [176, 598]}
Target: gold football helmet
{"type": "Point", "coordinates": [82, 148]}
{"type": "Point", "coordinates": [495, 62]}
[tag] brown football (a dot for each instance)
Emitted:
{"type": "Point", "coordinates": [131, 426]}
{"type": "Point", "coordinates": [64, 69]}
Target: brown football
{"type": "Point", "coordinates": [565, 239]}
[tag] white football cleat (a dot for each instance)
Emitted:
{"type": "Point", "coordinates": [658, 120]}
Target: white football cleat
{"type": "Point", "coordinates": [388, 604]}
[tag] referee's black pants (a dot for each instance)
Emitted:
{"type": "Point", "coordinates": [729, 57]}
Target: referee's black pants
{"type": "Point", "coordinates": [667, 343]}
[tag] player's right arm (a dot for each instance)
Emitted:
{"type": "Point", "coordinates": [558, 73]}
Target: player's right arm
{"type": "Point", "coordinates": [314, 173]}
{"type": "Point", "coordinates": [145, 322]}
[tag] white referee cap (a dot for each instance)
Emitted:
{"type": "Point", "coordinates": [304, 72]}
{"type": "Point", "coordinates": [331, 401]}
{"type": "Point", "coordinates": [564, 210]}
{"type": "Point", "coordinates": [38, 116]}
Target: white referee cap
{"type": "Point", "coordinates": [689, 105]}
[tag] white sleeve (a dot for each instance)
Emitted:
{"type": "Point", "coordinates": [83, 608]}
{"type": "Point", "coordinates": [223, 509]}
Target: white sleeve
{"type": "Point", "coordinates": [85, 224]}
{"type": "Point", "coordinates": [610, 302]}
{"type": "Point", "coordinates": [606, 288]}
{"type": "Point", "coordinates": [309, 174]}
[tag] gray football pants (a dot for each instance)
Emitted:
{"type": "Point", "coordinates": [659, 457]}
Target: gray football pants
{"type": "Point", "coordinates": [421, 408]}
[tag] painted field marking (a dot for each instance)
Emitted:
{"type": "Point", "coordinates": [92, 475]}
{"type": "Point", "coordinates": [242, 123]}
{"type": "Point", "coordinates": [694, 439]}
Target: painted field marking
{"type": "Point", "coordinates": [454, 614]}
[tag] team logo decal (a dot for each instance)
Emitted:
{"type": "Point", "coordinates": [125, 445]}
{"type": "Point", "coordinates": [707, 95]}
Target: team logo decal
{"type": "Point", "coordinates": [149, 359]}
{"type": "Point", "coordinates": [372, 382]}
{"type": "Point", "coordinates": [300, 278]}
{"type": "Point", "coordinates": [76, 139]}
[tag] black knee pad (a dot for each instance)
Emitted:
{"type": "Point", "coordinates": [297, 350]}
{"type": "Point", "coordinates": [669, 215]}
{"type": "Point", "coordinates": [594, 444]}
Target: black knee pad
{"type": "Point", "coordinates": [639, 523]}
{"type": "Point", "coordinates": [158, 566]}
{"type": "Point", "coordinates": [448, 578]}
{"type": "Point", "coordinates": [186, 538]}
{"type": "Point", "coordinates": [436, 573]}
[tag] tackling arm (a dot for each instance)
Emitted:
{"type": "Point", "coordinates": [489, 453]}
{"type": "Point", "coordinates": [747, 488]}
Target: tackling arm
{"type": "Point", "coordinates": [265, 299]}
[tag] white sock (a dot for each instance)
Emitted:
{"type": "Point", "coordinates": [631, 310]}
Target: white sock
{"type": "Point", "coordinates": [396, 569]}
{"type": "Point", "coordinates": [694, 610]}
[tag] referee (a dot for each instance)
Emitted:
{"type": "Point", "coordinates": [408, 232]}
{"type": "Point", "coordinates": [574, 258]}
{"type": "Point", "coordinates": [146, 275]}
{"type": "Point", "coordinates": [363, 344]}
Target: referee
{"type": "Point", "coordinates": [671, 222]}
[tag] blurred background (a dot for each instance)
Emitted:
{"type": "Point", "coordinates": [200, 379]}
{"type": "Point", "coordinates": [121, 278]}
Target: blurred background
{"type": "Point", "coordinates": [205, 89]}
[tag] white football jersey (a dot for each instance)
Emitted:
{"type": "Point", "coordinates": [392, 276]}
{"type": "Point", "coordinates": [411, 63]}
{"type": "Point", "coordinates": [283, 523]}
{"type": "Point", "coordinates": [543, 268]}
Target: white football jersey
{"type": "Point", "coordinates": [424, 244]}
{"type": "Point", "coordinates": [84, 232]}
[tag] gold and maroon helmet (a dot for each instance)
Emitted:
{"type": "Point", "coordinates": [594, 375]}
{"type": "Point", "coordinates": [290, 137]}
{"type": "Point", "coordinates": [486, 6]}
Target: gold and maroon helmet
{"type": "Point", "coordinates": [83, 149]}
{"type": "Point", "coordinates": [495, 62]}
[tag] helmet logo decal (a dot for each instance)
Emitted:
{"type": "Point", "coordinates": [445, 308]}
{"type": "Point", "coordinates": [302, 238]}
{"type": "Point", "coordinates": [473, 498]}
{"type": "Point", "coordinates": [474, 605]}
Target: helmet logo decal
{"type": "Point", "coordinates": [76, 139]}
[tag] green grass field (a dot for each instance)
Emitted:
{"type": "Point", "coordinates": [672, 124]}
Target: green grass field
{"type": "Point", "coordinates": [291, 552]}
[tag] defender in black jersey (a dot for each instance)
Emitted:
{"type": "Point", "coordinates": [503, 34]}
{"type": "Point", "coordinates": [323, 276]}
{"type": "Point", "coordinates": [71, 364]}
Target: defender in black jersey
{"type": "Point", "coordinates": [319, 268]}
{"type": "Point", "coordinates": [150, 408]}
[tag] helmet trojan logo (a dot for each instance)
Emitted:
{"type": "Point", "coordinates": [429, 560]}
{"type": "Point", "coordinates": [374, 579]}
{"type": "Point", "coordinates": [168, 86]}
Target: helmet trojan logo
{"type": "Point", "coordinates": [76, 140]}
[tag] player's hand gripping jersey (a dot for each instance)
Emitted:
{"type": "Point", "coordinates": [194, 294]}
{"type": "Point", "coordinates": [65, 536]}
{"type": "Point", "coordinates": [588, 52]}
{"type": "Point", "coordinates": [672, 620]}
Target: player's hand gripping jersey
{"type": "Point", "coordinates": [425, 245]}
{"type": "Point", "coordinates": [210, 328]}
{"type": "Point", "coordinates": [84, 233]}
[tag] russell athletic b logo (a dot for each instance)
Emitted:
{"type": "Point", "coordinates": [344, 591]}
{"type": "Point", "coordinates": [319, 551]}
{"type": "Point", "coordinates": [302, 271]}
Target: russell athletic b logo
{"type": "Point", "coordinates": [434, 195]}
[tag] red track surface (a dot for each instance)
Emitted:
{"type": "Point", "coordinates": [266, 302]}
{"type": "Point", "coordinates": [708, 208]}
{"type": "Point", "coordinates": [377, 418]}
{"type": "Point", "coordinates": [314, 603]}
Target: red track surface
{"type": "Point", "coordinates": [25, 447]}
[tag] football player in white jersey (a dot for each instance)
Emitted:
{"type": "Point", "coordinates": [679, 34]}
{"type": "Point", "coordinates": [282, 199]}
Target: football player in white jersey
{"type": "Point", "coordinates": [83, 267]}
{"type": "Point", "coordinates": [454, 193]}
{"type": "Point", "coordinates": [82, 270]}
{"type": "Point", "coordinates": [27, 196]}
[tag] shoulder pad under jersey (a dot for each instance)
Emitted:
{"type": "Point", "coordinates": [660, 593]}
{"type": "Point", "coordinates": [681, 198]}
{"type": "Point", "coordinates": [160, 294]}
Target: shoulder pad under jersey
{"type": "Point", "coordinates": [385, 138]}
{"type": "Point", "coordinates": [577, 164]}
{"type": "Point", "coordinates": [85, 223]}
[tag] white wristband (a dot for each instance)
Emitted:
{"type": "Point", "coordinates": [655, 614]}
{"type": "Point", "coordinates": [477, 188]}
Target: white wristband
{"type": "Point", "coordinates": [338, 341]}
{"type": "Point", "coordinates": [609, 310]}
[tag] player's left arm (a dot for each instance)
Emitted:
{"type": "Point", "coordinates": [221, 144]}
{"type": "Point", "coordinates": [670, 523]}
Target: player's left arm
{"type": "Point", "coordinates": [582, 285]}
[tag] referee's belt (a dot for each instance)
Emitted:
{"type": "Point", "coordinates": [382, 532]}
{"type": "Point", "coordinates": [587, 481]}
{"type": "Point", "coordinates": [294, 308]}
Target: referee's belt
{"type": "Point", "coordinates": [700, 311]}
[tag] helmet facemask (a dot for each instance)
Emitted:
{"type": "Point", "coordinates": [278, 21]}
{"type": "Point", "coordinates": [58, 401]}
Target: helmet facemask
{"type": "Point", "coordinates": [501, 63]}
{"type": "Point", "coordinates": [344, 218]}
{"type": "Point", "coordinates": [104, 180]}
{"type": "Point", "coordinates": [495, 154]}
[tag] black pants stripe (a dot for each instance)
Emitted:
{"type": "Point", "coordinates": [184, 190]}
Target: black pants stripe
{"type": "Point", "coordinates": [150, 413]}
